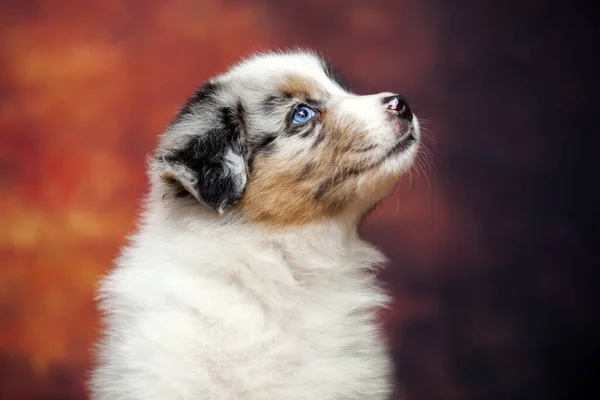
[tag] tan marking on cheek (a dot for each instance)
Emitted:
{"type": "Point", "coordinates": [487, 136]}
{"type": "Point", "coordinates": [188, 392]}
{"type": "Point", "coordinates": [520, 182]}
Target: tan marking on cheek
{"type": "Point", "coordinates": [282, 195]}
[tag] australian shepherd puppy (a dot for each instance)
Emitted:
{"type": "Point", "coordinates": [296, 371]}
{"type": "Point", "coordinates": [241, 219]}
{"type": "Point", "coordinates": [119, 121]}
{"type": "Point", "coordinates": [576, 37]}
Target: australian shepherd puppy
{"type": "Point", "coordinates": [247, 278]}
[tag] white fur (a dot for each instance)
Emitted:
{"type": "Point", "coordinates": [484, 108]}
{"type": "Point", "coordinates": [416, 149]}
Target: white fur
{"type": "Point", "coordinates": [200, 306]}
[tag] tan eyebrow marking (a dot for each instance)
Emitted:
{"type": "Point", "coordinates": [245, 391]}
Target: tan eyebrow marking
{"type": "Point", "coordinates": [301, 87]}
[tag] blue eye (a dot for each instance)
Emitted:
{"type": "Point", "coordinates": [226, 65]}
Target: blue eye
{"type": "Point", "coordinates": [302, 115]}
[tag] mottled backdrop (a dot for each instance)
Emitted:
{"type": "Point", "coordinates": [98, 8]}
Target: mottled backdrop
{"type": "Point", "coordinates": [491, 244]}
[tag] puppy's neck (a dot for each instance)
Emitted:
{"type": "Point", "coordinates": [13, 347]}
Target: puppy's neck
{"type": "Point", "coordinates": [329, 242]}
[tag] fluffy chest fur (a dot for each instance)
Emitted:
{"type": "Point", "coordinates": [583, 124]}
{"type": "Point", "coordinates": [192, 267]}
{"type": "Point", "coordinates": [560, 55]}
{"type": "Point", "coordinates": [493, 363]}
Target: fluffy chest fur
{"type": "Point", "coordinates": [242, 315]}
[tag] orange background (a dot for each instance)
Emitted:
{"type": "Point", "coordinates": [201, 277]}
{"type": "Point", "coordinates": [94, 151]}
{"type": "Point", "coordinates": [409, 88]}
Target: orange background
{"type": "Point", "coordinates": [482, 242]}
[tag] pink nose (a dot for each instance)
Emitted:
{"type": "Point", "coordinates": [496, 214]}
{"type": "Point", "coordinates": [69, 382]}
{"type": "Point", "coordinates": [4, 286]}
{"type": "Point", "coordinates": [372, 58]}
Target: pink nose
{"type": "Point", "coordinates": [399, 105]}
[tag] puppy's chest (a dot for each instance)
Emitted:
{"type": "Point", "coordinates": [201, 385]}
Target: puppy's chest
{"type": "Point", "coordinates": [327, 339]}
{"type": "Point", "coordinates": [315, 318]}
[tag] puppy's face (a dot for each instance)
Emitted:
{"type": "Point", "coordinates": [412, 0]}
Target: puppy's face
{"type": "Point", "coordinates": [280, 139]}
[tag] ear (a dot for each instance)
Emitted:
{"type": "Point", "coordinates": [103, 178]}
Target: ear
{"type": "Point", "coordinates": [201, 154]}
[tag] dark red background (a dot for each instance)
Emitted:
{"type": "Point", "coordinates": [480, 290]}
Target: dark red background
{"type": "Point", "coordinates": [492, 245]}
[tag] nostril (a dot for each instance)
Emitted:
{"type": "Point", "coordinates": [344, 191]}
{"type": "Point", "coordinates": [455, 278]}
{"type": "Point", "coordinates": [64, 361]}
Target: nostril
{"type": "Point", "coordinates": [391, 102]}
{"type": "Point", "coordinates": [399, 105]}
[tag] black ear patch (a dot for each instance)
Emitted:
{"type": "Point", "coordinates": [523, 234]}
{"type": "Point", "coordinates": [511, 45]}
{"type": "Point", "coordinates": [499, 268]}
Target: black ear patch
{"type": "Point", "coordinates": [335, 75]}
{"type": "Point", "coordinates": [206, 159]}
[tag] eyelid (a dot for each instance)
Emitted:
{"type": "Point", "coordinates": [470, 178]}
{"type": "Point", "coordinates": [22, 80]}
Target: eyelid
{"type": "Point", "coordinates": [314, 104]}
{"type": "Point", "coordinates": [313, 107]}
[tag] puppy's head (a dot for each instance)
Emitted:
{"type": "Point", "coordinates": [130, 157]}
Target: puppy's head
{"type": "Point", "coordinates": [281, 140]}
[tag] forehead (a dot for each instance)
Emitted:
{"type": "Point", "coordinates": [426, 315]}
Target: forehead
{"type": "Point", "coordinates": [273, 71]}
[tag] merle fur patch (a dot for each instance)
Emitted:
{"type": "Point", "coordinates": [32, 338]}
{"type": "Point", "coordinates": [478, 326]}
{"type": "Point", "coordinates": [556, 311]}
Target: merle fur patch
{"type": "Point", "coordinates": [210, 165]}
{"type": "Point", "coordinates": [202, 95]}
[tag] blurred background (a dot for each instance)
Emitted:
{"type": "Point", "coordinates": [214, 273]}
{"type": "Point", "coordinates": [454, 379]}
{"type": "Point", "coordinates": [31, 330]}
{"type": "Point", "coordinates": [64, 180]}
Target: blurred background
{"type": "Point", "coordinates": [492, 246]}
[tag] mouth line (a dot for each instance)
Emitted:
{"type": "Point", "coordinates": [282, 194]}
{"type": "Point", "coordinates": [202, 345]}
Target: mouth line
{"type": "Point", "coordinates": [403, 143]}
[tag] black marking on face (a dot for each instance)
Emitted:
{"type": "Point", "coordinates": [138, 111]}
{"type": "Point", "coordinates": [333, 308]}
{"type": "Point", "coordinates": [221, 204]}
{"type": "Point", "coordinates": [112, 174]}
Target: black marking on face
{"type": "Point", "coordinates": [287, 95]}
{"type": "Point", "coordinates": [335, 75]}
{"type": "Point", "coordinates": [366, 148]}
{"type": "Point", "coordinates": [335, 180]}
{"type": "Point", "coordinates": [319, 139]}
{"type": "Point", "coordinates": [302, 130]}
{"type": "Point", "coordinates": [265, 145]}
{"type": "Point", "coordinates": [206, 93]}
{"type": "Point", "coordinates": [273, 103]}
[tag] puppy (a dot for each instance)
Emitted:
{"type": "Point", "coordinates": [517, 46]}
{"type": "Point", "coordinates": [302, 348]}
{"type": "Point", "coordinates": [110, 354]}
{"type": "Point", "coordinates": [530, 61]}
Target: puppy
{"type": "Point", "coordinates": [246, 278]}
